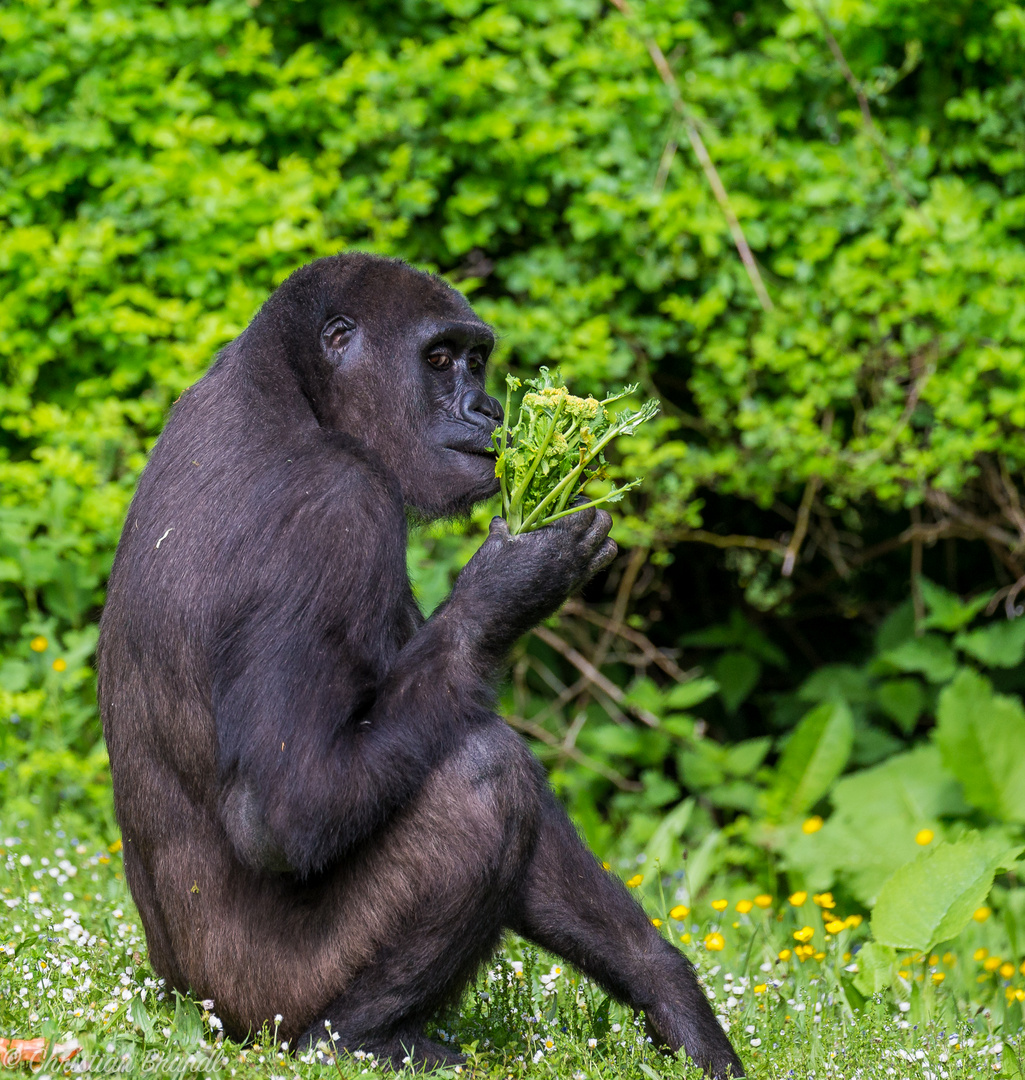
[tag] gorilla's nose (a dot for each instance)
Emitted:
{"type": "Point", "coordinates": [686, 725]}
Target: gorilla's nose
{"type": "Point", "coordinates": [481, 409]}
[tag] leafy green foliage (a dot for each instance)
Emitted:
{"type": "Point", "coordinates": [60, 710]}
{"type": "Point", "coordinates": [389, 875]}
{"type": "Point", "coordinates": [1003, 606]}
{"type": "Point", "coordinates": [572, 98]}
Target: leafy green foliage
{"type": "Point", "coordinates": [932, 898]}
{"type": "Point", "coordinates": [555, 448]}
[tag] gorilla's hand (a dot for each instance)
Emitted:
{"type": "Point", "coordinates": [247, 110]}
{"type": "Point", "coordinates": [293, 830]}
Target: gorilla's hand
{"type": "Point", "coordinates": [513, 582]}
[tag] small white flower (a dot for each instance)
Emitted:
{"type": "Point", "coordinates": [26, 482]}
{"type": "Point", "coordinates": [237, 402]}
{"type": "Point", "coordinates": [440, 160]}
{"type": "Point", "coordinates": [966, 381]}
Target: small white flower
{"type": "Point", "coordinates": [207, 1003]}
{"type": "Point", "coordinates": [278, 1018]}
{"type": "Point", "coordinates": [592, 1043]}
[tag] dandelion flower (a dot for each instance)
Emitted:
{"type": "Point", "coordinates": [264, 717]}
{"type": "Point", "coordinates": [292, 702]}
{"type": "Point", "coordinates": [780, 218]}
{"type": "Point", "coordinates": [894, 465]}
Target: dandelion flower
{"type": "Point", "coordinates": [715, 942]}
{"type": "Point", "coordinates": [38, 644]}
{"type": "Point", "coordinates": [763, 900]}
{"type": "Point", "coordinates": [720, 905]}
{"type": "Point", "coordinates": [798, 898]}
{"type": "Point", "coordinates": [924, 836]}
{"type": "Point", "coordinates": [60, 664]}
{"type": "Point", "coordinates": [635, 881]}
{"type": "Point", "coordinates": [681, 911]}
{"type": "Point", "coordinates": [812, 825]}
{"type": "Point", "coordinates": [982, 914]}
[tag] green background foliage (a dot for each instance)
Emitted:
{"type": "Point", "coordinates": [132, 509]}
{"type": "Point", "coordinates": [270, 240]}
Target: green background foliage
{"type": "Point", "coordinates": [163, 166]}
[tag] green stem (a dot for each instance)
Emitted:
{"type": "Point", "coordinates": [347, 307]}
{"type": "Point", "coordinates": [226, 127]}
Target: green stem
{"type": "Point", "coordinates": [521, 488]}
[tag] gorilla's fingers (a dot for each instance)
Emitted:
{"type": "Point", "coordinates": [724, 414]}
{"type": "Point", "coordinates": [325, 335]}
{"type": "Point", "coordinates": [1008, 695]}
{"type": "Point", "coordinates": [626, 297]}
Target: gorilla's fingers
{"type": "Point", "coordinates": [605, 554]}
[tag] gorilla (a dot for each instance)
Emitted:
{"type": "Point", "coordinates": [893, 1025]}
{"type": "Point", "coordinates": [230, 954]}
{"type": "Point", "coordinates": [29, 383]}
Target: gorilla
{"type": "Point", "coordinates": [322, 815]}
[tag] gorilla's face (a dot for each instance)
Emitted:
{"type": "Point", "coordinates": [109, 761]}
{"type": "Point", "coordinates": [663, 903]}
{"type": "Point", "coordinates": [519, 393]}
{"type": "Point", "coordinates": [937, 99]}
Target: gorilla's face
{"type": "Point", "coordinates": [400, 365]}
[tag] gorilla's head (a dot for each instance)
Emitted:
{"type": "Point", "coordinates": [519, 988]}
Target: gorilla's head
{"type": "Point", "coordinates": [395, 358]}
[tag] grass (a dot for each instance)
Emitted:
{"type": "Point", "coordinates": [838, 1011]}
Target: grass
{"type": "Point", "coordinates": [75, 973]}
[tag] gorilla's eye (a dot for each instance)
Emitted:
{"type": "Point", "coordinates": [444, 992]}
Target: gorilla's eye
{"type": "Point", "coordinates": [440, 361]}
{"type": "Point", "coordinates": [337, 332]}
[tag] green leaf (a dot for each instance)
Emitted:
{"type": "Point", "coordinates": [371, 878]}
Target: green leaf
{"type": "Point", "coordinates": [744, 757]}
{"type": "Point", "coordinates": [930, 655]}
{"type": "Point", "coordinates": [981, 736]}
{"type": "Point", "coordinates": [1000, 644]}
{"type": "Point", "coordinates": [946, 611]}
{"type": "Point", "coordinates": [687, 695]}
{"type": "Point", "coordinates": [737, 674]}
{"type": "Point", "coordinates": [660, 847]}
{"type": "Point", "coordinates": [932, 898]}
{"type": "Point", "coordinates": [903, 701]}
{"type": "Point", "coordinates": [876, 965]}
{"type": "Point", "coordinates": [812, 759]}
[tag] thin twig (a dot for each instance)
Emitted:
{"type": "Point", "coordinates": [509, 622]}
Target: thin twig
{"type": "Point", "coordinates": [592, 674]}
{"type": "Point", "coordinates": [648, 650]}
{"type": "Point", "coordinates": [916, 572]}
{"type": "Point", "coordinates": [702, 536]}
{"type": "Point", "coordinates": [801, 528]}
{"type": "Point", "coordinates": [866, 112]}
{"type": "Point", "coordinates": [707, 165]}
{"type": "Point", "coordinates": [539, 733]}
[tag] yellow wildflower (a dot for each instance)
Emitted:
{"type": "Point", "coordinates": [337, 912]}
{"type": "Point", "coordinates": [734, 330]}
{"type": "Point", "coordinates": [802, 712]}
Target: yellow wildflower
{"type": "Point", "coordinates": [760, 988]}
{"type": "Point", "coordinates": [715, 942]}
{"type": "Point", "coordinates": [115, 847]}
{"type": "Point", "coordinates": [1019, 995]}
{"type": "Point", "coordinates": [60, 664]}
{"type": "Point", "coordinates": [806, 933]}
{"type": "Point", "coordinates": [635, 881]}
{"type": "Point", "coordinates": [798, 898]}
{"type": "Point", "coordinates": [605, 865]}
{"type": "Point", "coordinates": [812, 825]}
{"type": "Point", "coordinates": [681, 911]}
{"type": "Point", "coordinates": [656, 922]}
{"type": "Point", "coordinates": [1007, 969]}
{"type": "Point", "coordinates": [824, 900]}
{"type": "Point", "coordinates": [949, 958]}
{"type": "Point", "coordinates": [785, 954]}
{"type": "Point", "coordinates": [820, 956]}
{"type": "Point", "coordinates": [834, 926]}
{"type": "Point", "coordinates": [938, 977]}
{"type": "Point", "coordinates": [992, 963]}
{"type": "Point", "coordinates": [720, 905]}
{"type": "Point", "coordinates": [38, 644]}
{"type": "Point", "coordinates": [744, 906]}
{"type": "Point", "coordinates": [924, 836]}
{"type": "Point", "coordinates": [982, 914]}
{"type": "Point", "coordinates": [763, 900]}
{"type": "Point", "coordinates": [981, 954]}
{"type": "Point", "coordinates": [853, 921]}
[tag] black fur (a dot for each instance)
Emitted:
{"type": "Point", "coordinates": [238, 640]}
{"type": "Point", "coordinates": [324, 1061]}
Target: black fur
{"type": "Point", "coordinates": [322, 816]}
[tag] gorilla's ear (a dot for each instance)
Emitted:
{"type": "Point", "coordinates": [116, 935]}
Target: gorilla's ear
{"type": "Point", "coordinates": [337, 333]}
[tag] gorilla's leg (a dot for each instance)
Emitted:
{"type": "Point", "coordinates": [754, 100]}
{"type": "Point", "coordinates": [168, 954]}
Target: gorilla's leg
{"type": "Point", "coordinates": [452, 863]}
{"type": "Point", "coordinates": [573, 907]}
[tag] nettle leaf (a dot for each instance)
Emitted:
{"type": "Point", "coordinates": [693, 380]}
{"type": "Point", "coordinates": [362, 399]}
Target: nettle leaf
{"type": "Point", "coordinates": [946, 610]}
{"type": "Point", "coordinates": [812, 759]}
{"type": "Point", "coordinates": [932, 898]}
{"type": "Point", "coordinates": [1001, 644]}
{"type": "Point", "coordinates": [981, 735]}
{"type": "Point", "coordinates": [930, 655]}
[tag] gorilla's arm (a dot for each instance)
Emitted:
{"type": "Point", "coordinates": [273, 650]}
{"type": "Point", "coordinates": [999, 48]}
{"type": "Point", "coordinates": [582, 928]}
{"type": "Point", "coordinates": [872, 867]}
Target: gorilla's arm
{"type": "Point", "coordinates": [332, 705]}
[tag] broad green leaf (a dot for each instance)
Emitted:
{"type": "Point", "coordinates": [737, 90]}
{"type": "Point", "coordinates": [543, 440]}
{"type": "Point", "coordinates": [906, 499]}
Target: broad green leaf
{"type": "Point", "coordinates": [687, 695]}
{"type": "Point", "coordinates": [981, 736]}
{"type": "Point", "coordinates": [946, 610]}
{"type": "Point", "coordinates": [737, 674]}
{"type": "Point", "coordinates": [812, 759]}
{"type": "Point", "coordinates": [837, 682]}
{"type": "Point", "coordinates": [930, 655]}
{"type": "Point", "coordinates": [1000, 644]}
{"type": "Point", "coordinates": [876, 815]}
{"type": "Point", "coordinates": [903, 701]}
{"type": "Point", "coordinates": [743, 758]}
{"type": "Point", "coordinates": [659, 848]}
{"type": "Point", "coordinates": [932, 898]}
{"type": "Point", "coordinates": [876, 965]}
